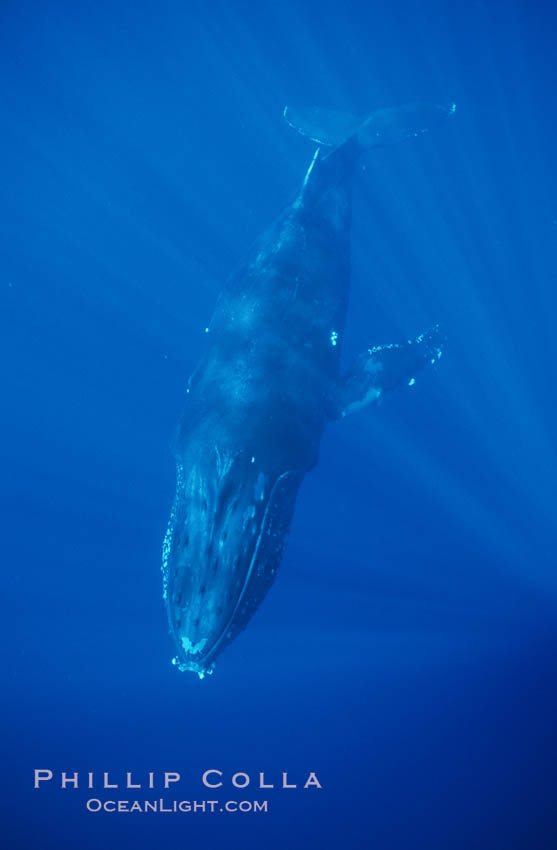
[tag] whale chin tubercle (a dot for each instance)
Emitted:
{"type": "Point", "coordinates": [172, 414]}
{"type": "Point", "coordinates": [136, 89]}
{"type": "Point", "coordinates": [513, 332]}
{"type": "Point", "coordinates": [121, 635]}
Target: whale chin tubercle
{"type": "Point", "coordinates": [193, 657]}
{"type": "Point", "coordinates": [201, 669]}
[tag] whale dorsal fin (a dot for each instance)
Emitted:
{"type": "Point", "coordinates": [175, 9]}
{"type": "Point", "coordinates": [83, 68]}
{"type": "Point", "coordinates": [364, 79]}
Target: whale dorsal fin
{"type": "Point", "coordinates": [378, 128]}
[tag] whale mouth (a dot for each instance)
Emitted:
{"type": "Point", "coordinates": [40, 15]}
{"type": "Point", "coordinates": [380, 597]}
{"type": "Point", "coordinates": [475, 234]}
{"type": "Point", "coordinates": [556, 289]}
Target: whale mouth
{"type": "Point", "coordinates": [221, 553]}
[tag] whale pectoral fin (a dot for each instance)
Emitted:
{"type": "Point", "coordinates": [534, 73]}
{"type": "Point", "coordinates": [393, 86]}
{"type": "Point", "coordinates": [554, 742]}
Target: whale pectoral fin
{"type": "Point", "coordinates": [380, 369]}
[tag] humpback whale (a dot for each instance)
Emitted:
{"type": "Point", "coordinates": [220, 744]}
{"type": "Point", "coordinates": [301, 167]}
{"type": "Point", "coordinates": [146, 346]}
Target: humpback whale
{"type": "Point", "coordinates": [268, 384]}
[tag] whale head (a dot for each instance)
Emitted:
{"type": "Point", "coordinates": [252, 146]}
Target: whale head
{"type": "Point", "coordinates": [222, 549]}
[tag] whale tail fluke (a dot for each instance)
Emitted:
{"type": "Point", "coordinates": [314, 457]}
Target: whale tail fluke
{"type": "Point", "coordinates": [327, 127]}
{"type": "Point", "coordinates": [383, 127]}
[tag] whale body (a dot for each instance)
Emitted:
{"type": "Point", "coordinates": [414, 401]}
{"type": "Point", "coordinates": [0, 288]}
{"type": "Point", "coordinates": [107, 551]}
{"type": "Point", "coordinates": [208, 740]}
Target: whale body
{"type": "Point", "coordinates": [266, 387]}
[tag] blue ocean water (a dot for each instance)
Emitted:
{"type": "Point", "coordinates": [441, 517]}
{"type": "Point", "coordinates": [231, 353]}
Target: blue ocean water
{"type": "Point", "coordinates": [406, 653]}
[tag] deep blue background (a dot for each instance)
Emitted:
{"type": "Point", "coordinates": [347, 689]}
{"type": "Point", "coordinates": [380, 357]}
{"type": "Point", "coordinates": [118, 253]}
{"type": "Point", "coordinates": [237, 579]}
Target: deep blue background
{"type": "Point", "coordinates": [407, 651]}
